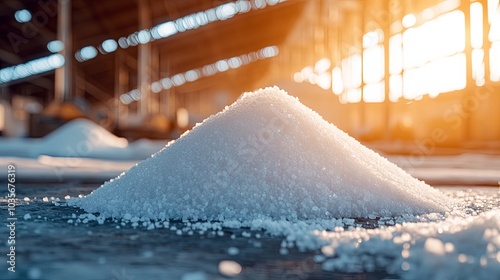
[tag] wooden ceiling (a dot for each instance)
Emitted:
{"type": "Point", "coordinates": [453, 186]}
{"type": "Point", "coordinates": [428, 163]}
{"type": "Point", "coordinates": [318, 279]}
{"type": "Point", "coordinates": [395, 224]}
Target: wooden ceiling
{"type": "Point", "coordinates": [94, 21]}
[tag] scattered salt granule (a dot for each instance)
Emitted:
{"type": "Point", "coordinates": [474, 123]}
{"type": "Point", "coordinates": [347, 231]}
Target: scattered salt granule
{"type": "Point", "coordinates": [233, 251]}
{"type": "Point", "coordinates": [267, 156]}
{"type": "Point", "coordinates": [197, 275]}
{"type": "Point", "coordinates": [454, 248]}
{"type": "Point", "coordinates": [229, 268]}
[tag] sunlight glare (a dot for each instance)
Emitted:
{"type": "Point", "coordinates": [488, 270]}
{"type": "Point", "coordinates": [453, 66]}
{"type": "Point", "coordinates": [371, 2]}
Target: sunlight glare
{"type": "Point", "coordinates": [443, 75]}
{"type": "Point", "coordinates": [494, 18]}
{"type": "Point", "coordinates": [494, 66]}
{"type": "Point", "coordinates": [476, 25]}
{"type": "Point", "coordinates": [374, 93]}
{"type": "Point", "coordinates": [478, 64]}
{"type": "Point", "coordinates": [493, 9]}
{"type": "Point", "coordinates": [354, 95]}
{"type": "Point", "coordinates": [395, 54]}
{"type": "Point", "coordinates": [409, 20]}
{"type": "Point", "coordinates": [373, 64]}
{"type": "Point", "coordinates": [395, 87]}
{"type": "Point", "coordinates": [351, 72]}
{"type": "Point", "coordinates": [434, 39]}
{"type": "Point", "coordinates": [337, 82]}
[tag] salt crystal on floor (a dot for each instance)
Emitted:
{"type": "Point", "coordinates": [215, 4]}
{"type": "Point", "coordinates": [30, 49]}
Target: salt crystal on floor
{"type": "Point", "coordinates": [267, 156]}
{"type": "Point", "coordinates": [455, 248]}
{"type": "Point", "coordinates": [229, 268]}
{"type": "Point", "coordinates": [233, 251]}
{"type": "Point", "coordinates": [197, 275]}
{"type": "Point", "coordinates": [434, 246]}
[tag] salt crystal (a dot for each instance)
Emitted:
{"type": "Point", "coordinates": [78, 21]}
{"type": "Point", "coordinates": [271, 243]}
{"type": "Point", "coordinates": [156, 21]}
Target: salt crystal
{"type": "Point", "coordinates": [197, 275]}
{"type": "Point", "coordinates": [100, 220]}
{"type": "Point", "coordinates": [229, 268]}
{"type": "Point", "coordinates": [34, 273]}
{"type": "Point", "coordinates": [319, 258]}
{"type": "Point", "coordinates": [148, 254]}
{"type": "Point", "coordinates": [434, 246]}
{"type": "Point", "coordinates": [27, 216]}
{"type": "Point", "coordinates": [232, 251]}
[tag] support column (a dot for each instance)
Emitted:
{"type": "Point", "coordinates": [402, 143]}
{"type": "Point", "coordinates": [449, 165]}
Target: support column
{"type": "Point", "coordinates": [144, 59]}
{"type": "Point", "coordinates": [155, 69]}
{"type": "Point", "coordinates": [486, 41]}
{"type": "Point", "coordinates": [386, 27]}
{"type": "Point", "coordinates": [121, 83]}
{"type": "Point", "coordinates": [470, 83]}
{"type": "Point", "coordinates": [63, 75]}
{"type": "Point", "coordinates": [362, 103]}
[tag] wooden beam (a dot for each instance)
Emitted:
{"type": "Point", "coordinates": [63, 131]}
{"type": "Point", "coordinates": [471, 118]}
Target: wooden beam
{"type": "Point", "coordinates": [93, 89]}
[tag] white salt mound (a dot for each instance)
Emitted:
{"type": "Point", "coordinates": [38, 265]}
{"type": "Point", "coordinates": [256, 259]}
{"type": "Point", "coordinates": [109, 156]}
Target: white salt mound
{"type": "Point", "coordinates": [82, 138]}
{"type": "Point", "coordinates": [267, 156]}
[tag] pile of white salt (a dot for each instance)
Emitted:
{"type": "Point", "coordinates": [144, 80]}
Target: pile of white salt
{"type": "Point", "coordinates": [265, 157]}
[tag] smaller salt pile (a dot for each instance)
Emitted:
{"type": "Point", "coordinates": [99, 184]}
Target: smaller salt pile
{"type": "Point", "coordinates": [265, 157]}
{"type": "Point", "coordinates": [82, 138]}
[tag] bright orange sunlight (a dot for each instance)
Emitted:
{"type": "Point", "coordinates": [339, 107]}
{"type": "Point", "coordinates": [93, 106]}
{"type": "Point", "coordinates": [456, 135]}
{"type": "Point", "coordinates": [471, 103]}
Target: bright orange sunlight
{"type": "Point", "coordinates": [427, 56]}
{"type": "Point", "coordinates": [494, 37]}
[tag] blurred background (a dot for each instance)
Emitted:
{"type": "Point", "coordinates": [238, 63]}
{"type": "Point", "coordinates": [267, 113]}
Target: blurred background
{"type": "Point", "coordinates": [398, 75]}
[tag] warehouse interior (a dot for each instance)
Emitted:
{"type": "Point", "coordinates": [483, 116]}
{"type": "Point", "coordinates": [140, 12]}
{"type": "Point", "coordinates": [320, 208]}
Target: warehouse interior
{"type": "Point", "coordinates": [393, 73]}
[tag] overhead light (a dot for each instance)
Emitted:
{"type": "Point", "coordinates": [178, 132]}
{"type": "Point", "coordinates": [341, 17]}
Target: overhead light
{"type": "Point", "coordinates": [143, 36]}
{"type": "Point", "coordinates": [192, 75]}
{"type": "Point", "coordinates": [86, 53]}
{"type": "Point", "coordinates": [205, 71]}
{"type": "Point", "coordinates": [156, 87]}
{"type": "Point", "coordinates": [30, 68]}
{"type": "Point", "coordinates": [192, 21]}
{"type": "Point", "coordinates": [22, 16]}
{"type": "Point", "coordinates": [222, 65]}
{"type": "Point", "coordinates": [55, 46]}
{"type": "Point", "coordinates": [163, 30]}
{"type": "Point", "coordinates": [109, 45]}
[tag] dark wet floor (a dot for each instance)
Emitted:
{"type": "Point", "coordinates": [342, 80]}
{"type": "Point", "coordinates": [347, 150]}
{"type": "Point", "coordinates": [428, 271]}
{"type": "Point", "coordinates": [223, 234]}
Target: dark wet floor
{"type": "Point", "coordinates": [48, 247]}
